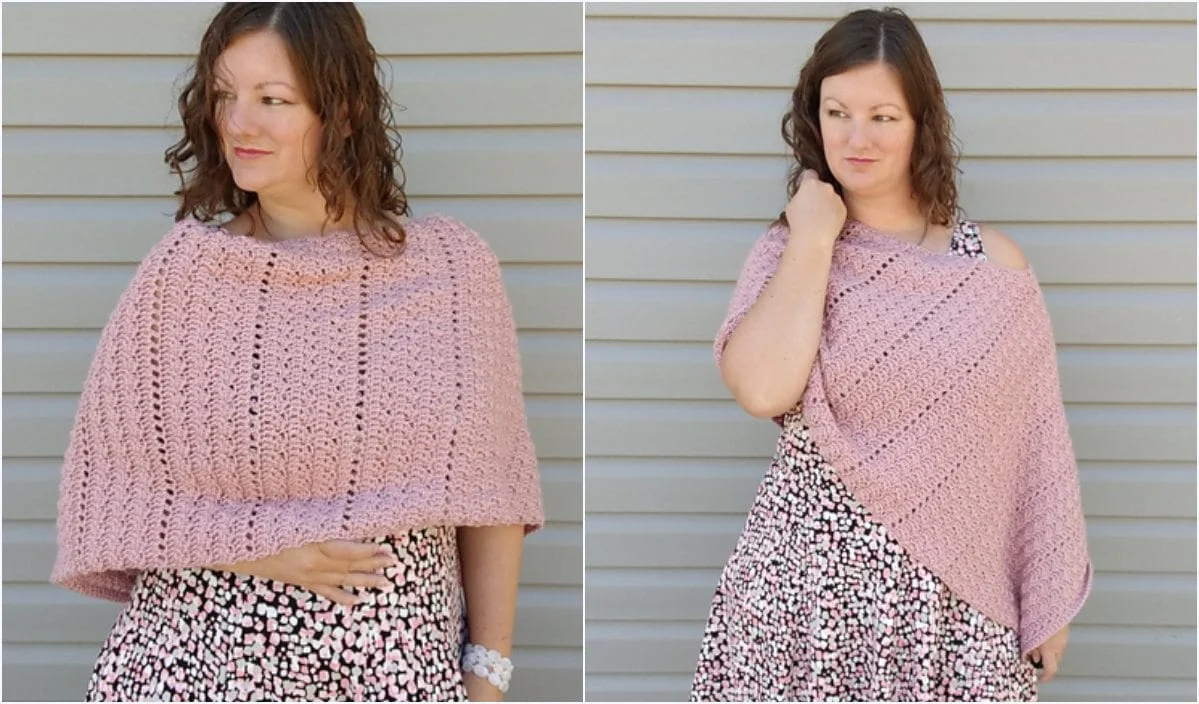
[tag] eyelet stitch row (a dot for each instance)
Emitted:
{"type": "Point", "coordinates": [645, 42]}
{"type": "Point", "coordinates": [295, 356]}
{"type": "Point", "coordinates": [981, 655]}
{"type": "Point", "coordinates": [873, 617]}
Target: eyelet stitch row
{"type": "Point", "coordinates": [859, 285]}
{"type": "Point", "coordinates": [159, 413]}
{"type": "Point", "coordinates": [360, 402]}
{"type": "Point", "coordinates": [254, 423]}
{"type": "Point", "coordinates": [454, 330]}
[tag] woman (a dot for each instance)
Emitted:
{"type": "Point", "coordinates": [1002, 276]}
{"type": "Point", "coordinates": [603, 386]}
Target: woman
{"type": "Point", "coordinates": [919, 534]}
{"type": "Point", "coordinates": [301, 454]}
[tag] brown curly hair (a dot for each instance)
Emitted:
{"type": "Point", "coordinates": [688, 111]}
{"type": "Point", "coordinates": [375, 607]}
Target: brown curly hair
{"type": "Point", "coordinates": [341, 80]}
{"type": "Point", "coordinates": [866, 37]}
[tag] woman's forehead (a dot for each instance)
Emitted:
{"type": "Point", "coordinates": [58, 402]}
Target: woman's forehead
{"type": "Point", "coordinates": [257, 58]}
{"type": "Point", "coordinates": [871, 84]}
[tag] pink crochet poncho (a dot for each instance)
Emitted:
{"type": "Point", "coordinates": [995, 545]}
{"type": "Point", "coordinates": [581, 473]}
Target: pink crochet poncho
{"type": "Point", "coordinates": [935, 397]}
{"type": "Point", "coordinates": [248, 397]}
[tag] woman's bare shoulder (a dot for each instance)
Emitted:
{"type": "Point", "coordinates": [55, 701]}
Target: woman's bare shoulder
{"type": "Point", "coordinates": [1001, 249]}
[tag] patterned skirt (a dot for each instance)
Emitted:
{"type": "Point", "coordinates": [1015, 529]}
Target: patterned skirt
{"type": "Point", "coordinates": [818, 602]}
{"type": "Point", "coordinates": [205, 635]}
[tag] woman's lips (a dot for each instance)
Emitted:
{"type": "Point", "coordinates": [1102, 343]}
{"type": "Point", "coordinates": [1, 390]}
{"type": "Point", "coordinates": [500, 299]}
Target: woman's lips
{"type": "Point", "coordinates": [854, 160]}
{"type": "Point", "coordinates": [248, 153]}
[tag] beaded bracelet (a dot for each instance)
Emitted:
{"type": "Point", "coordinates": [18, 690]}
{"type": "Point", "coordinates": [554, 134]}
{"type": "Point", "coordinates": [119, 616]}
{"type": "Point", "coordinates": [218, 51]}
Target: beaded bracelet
{"type": "Point", "coordinates": [488, 664]}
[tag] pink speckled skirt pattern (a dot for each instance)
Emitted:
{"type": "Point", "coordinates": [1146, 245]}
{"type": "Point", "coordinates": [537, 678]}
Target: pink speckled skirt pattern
{"type": "Point", "coordinates": [205, 635]}
{"type": "Point", "coordinates": [819, 603]}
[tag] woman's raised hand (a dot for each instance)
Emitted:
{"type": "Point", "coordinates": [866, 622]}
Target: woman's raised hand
{"type": "Point", "coordinates": [815, 211]}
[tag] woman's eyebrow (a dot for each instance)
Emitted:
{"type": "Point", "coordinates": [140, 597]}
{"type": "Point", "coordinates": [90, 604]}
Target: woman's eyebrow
{"type": "Point", "coordinates": [223, 81]}
{"type": "Point", "coordinates": [874, 107]}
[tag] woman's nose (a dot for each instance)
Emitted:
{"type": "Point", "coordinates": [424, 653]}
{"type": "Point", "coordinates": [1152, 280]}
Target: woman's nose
{"type": "Point", "coordinates": [238, 117]}
{"type": "Point", "coordinates": [858, 137]}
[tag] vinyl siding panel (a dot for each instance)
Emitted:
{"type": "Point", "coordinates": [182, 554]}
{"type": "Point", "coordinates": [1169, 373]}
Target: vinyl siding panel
{"type": "Point", "coordinates": [408, 29]}
{"type": "Point", "coordinates": [1013, 55]}
{"type": "Point", "coordinates": [1078, 129]}
{"type": "Point", "coordinates": [924, 13]}
{"type": "Point", "coordinates": [491, 120]}
{"type": "Point", "coordinates": [436, 91]}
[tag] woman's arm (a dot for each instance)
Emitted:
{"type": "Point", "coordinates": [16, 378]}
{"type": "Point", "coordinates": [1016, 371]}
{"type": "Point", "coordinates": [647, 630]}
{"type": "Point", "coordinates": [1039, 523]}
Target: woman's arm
{"type": "Point", "coordinates": [768, 358]}
{"type": "Point", "coordinates": [490, 557]}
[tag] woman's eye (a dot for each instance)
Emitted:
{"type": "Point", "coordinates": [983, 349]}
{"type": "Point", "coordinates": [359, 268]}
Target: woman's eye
{"type": "Point", "coordinates": [835, 113]}
{"type": "Point", "coordinates": [273, 101]}
{"type": "Point", "coordinates": [885, 118]}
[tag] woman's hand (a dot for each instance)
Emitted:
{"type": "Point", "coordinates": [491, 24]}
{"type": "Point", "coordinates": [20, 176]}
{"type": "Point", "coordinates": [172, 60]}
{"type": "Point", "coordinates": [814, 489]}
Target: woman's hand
{"type": "Point", "coordinates": [1049, 654]}
{"type": "Point", "coordinates": [326, 568]}
{"type": "Point", "coordinates": [815, 210]}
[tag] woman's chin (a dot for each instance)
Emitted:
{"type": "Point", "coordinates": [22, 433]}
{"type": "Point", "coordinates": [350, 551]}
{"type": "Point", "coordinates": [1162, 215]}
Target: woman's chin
{"type": "Point", "coordinates": [859, 185]}
{"type": "Point", "coordinates": [249, 184]}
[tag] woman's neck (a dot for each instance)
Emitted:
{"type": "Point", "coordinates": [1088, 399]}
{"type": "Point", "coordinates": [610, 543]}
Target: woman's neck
{"type": "Point", "coordinates": [898, 215]}
{"type": "Point", "coordinates": [284, 219]}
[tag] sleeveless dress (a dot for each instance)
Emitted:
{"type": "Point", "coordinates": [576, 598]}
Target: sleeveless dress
{"type": "Point", "coordinates": [818, 602]}
{"type": "Point", "coordinates": [208, 635]}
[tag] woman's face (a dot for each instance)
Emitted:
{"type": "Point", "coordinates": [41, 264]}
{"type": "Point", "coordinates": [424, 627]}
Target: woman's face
{"type": "Point", "coordinates": [269, 135]}
{"type": "Point", "coordinates": [867, 130]}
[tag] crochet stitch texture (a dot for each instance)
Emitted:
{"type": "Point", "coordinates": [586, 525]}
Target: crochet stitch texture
{"type": "Point", "coordinates": [935, 397]}
{"type": "Point", "coordinates": [248, 396]}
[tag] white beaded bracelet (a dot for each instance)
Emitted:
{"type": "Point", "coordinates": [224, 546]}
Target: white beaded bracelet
{"type": "Point", "coordinates": [488, 664]}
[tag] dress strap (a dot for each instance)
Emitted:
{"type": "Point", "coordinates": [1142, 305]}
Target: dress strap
{"type": "Point", "coordinates": [967, 240]}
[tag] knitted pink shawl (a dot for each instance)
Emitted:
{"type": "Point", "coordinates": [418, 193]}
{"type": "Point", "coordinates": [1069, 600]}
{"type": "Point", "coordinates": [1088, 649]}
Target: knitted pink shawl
{"type": "Point", "coordinates": [935, 398]}
{"type": "Point", "coordinates": [247, 397]}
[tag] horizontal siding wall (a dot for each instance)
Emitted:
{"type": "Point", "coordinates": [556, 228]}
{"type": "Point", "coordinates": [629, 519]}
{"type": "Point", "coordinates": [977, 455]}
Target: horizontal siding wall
{"type": "Point", "coordinates": [492, 129]}
{"type": "Point", "coordinates": [1078, 130]}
